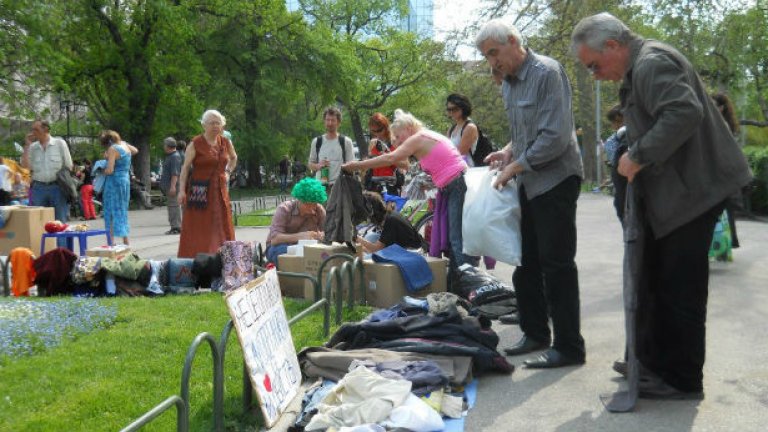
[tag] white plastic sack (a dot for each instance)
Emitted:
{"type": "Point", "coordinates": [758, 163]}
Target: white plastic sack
{"type": "Point", "coordinates": [414, 415]}
{"type": "Point", "coordinates": [491, 218]}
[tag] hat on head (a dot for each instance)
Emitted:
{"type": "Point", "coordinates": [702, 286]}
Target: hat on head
{"type": "Point", "coordinates": [309, 190]}
{"type": "Point", "coordinates": [170, 142]}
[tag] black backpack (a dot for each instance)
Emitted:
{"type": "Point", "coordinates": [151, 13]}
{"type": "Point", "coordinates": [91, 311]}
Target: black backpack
{"type": "Point", "coordinates": [484, 145]}
{"type": "Point", "coordinates": [342, 142]}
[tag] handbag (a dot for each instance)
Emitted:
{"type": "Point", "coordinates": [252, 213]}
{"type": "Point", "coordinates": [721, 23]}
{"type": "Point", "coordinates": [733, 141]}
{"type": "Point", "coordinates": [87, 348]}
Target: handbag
{"type": "Point", "coordinates": [67, 184]}
{"type": "Point", "coordinates": [198, 194]}
{"type": "Point", "coordinates": [198, 190]}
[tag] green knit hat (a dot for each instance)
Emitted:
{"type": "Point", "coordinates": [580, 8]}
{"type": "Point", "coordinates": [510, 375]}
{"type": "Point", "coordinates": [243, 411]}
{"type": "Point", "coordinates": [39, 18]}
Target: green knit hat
{"type": "Point", "coordinates": [309, 190]}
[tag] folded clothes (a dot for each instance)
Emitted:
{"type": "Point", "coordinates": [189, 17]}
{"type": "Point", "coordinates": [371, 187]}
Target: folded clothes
{"type": "Point", "coordinates": [414, 268]}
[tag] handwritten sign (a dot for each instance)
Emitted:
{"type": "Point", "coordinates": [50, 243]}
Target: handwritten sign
{"type": "Point", "coordinates": [259, 317]}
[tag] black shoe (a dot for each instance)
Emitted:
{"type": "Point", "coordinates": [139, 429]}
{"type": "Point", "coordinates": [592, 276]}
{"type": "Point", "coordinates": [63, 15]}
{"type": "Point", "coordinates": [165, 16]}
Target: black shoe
{"type": "Point", "coordinates": [656, 388]}
{"type": "Point", "coordinates": [526, 345]}
{"type": "Point", "coordinates": [620, 366]}
{"type": "Point", "coordinates": [512, 318]}
{"type": "Point", "coordinates": [552, 358]}
{"type": "Point", "coordinates": [173, 231]}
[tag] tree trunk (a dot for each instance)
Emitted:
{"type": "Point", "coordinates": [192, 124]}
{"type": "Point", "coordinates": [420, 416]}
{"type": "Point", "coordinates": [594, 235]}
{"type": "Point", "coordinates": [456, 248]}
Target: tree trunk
{"type": "Point", "coordinates": [357, 129]}
{"type": "Point", "coordinates": [586, 120]}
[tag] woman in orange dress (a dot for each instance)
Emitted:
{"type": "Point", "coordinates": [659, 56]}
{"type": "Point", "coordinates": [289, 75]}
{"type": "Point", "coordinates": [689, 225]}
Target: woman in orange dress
{"type": "Point", "coordinates": [208, 161]}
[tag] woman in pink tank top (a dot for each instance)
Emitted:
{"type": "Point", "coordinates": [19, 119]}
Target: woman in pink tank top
{"type": "Point", "coordinates": [439, 158]}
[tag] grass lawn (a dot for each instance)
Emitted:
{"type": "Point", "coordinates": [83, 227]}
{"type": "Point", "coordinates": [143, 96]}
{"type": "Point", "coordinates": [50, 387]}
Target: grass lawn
{"type": "Point", "coordinates": [104, 380]}
{"type": "Point", "coordinates": [257, 218]}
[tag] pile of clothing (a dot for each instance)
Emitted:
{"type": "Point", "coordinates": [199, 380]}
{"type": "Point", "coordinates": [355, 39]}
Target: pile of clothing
{"type": "Point", "coordinates": [403, 367]}
{"type": "Point", "coordinates": [61, 272]}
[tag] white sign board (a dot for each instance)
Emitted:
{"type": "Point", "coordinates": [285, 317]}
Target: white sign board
{"type": "Point", "coordinates": [259, 317]}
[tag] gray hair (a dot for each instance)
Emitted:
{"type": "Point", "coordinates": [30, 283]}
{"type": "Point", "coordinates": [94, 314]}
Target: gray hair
{"type": "Point", "coordinates": [500, 31]}
{"type": "Point", "coordinates": [404, 120]}
{"type": "Point", "coordinates": [212, 114]}
{"type": "Point", "coordinates": [593, 31]}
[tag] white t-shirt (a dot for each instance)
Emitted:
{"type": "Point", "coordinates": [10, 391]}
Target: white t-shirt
{"type": "Point", "coordinates": [331, 150]}
{"type": "Point", "coordinates": [456, 140]}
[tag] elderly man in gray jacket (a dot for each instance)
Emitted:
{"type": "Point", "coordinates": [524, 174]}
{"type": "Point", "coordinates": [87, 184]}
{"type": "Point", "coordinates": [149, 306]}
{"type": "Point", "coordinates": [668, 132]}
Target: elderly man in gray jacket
{"type": "Point", "coordinates": [683, 162]}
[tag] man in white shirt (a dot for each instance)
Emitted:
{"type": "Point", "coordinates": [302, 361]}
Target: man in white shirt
{"type": "Point", "coordinates": [45, 157]}
{"type": "Point", "coordinates": [331, 154]}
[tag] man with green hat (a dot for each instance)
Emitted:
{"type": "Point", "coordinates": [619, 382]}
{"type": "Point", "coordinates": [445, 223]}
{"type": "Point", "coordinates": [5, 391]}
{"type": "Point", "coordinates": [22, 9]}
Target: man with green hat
{"type": "Point", "coordinates": [302, 218]}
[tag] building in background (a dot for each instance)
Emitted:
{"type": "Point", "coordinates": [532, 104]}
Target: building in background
{"type": "Point", "coordinates": [420, 18]}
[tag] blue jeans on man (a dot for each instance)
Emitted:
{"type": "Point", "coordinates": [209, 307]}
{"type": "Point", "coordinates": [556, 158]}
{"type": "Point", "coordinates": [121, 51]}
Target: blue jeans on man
{"type": "Point", "coordinates": [49, 195]}
{"type": "Point", "coordinates": [273, 251]}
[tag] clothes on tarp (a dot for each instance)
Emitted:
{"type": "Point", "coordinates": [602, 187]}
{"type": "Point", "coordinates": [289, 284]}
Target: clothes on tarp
{"type": "Point", "coordinates": [425, 375]}
{"type": "Point", "coordinates": [22, 263]}
{"type": "Point", "coordinates": [333, 364]}
{"type": "Point", "coordinates": [361, 397]}
{"type": "Point", "coordinates": [444, 334]}
{"type": "Point", "coordinates": [128, 266]}
{"type": "Point", "coordinates": [53, 272]}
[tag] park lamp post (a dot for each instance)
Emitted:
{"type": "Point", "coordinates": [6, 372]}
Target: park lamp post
{"type": "Point", "coordinates": [68, 105]}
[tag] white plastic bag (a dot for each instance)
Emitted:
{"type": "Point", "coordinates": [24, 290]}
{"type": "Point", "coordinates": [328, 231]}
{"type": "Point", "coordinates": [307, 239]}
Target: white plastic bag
{"type": "Point", "coordinates": [491, 218]}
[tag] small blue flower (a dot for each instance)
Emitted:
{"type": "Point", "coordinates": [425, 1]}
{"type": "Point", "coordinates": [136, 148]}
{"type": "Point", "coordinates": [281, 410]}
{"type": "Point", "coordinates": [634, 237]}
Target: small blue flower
{"type": "Point", "coordinates": [28, 327]}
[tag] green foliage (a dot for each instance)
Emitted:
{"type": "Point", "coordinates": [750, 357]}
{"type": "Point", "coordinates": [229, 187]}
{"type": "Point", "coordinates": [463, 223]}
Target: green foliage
{"type": "Point", "coordinates": [104, 380]}
{"type": "Point", "coordinates": [758, 161]}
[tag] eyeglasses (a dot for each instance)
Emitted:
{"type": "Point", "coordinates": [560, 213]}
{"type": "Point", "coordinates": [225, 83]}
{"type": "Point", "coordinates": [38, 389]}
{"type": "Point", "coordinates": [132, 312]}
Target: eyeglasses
{"type": "Point", "coordinates": [380, 130]}
{"type": "Point", "coordinates": [452, 109]}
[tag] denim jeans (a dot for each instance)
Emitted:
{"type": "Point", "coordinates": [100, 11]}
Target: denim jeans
{"type": "Point", "coordinates": [51, 196]}
{"type": "Point", "coordinates": [283, 182]}
{"type": "Point", "coordinates": [273, 251]}
{"type": "Point", "coordinates": [454, 193]}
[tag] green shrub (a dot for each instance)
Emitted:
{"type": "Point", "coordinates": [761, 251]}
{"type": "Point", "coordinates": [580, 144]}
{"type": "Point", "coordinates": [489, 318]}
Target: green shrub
{"type": "Point", "coordinates": [758, 161]}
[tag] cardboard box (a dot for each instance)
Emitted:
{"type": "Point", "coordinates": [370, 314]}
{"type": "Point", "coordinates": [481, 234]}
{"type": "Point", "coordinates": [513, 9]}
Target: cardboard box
{"type": "Point", "coordinates": [314, 255]}
{"type": "Point", "coordinates": [106, 251]}
{"type": "Point", "coordinates": [291, 286]}
{"type": "Point", "coordinates": [24, 228]}
{"type": "Point", "coordinates": [385, 285]}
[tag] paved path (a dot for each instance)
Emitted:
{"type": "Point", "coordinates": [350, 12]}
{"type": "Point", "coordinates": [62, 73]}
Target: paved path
{"type": "Point", "coordinates": [736, 371]}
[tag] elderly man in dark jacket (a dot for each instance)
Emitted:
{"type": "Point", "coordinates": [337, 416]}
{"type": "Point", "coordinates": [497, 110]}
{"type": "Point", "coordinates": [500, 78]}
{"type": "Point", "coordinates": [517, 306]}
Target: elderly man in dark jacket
{"type": "Point", "coordinates": [684, 163]}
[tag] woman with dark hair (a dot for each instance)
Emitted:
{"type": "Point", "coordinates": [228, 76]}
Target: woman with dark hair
{"type": "Point", "coordinates": [381, 143]}
{"type": "Point", "coordinates": [463, 133]}
{"type": "Point", "coordinates": [394, 228]}
{"type": "Point", "coordinates": [724, 104]}
{"type": "Point", "coordinates": [117, 186]}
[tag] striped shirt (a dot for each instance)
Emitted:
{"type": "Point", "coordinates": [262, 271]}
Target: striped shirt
{"type": "Point", "coordinates": [539, 108]}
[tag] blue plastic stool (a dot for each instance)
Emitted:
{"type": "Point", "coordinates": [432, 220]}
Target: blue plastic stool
{"type": "Point", "coordinates": [70, 236]}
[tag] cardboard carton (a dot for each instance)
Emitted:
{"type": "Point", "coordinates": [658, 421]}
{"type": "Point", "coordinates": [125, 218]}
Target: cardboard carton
{"type": "Point", "coordinates": [385, 285]}
{"type": "Point", "coordinates": [115, 251]}
{"type": "Point", "coordinates": [25, 227]}
{"type": "Point", "coordinates": [314, 255]}
{"type": "Point", "coordinates": [291, 286]}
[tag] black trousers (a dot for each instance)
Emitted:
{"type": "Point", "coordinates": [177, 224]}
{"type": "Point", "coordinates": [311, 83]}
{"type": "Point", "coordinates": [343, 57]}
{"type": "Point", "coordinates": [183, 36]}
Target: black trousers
{"type": "Point", "coordinates": [547, 281]}
{"type": "Point", "coordinates": [672, 302]}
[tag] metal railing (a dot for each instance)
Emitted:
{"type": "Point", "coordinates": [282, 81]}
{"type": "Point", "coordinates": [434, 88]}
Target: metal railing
{"type": "Point", "coordinates": [218, 350]}
{"type": "Point", "coordinates": [240, 207]}
{"type": "Point", "coordinates": [4, 270]}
